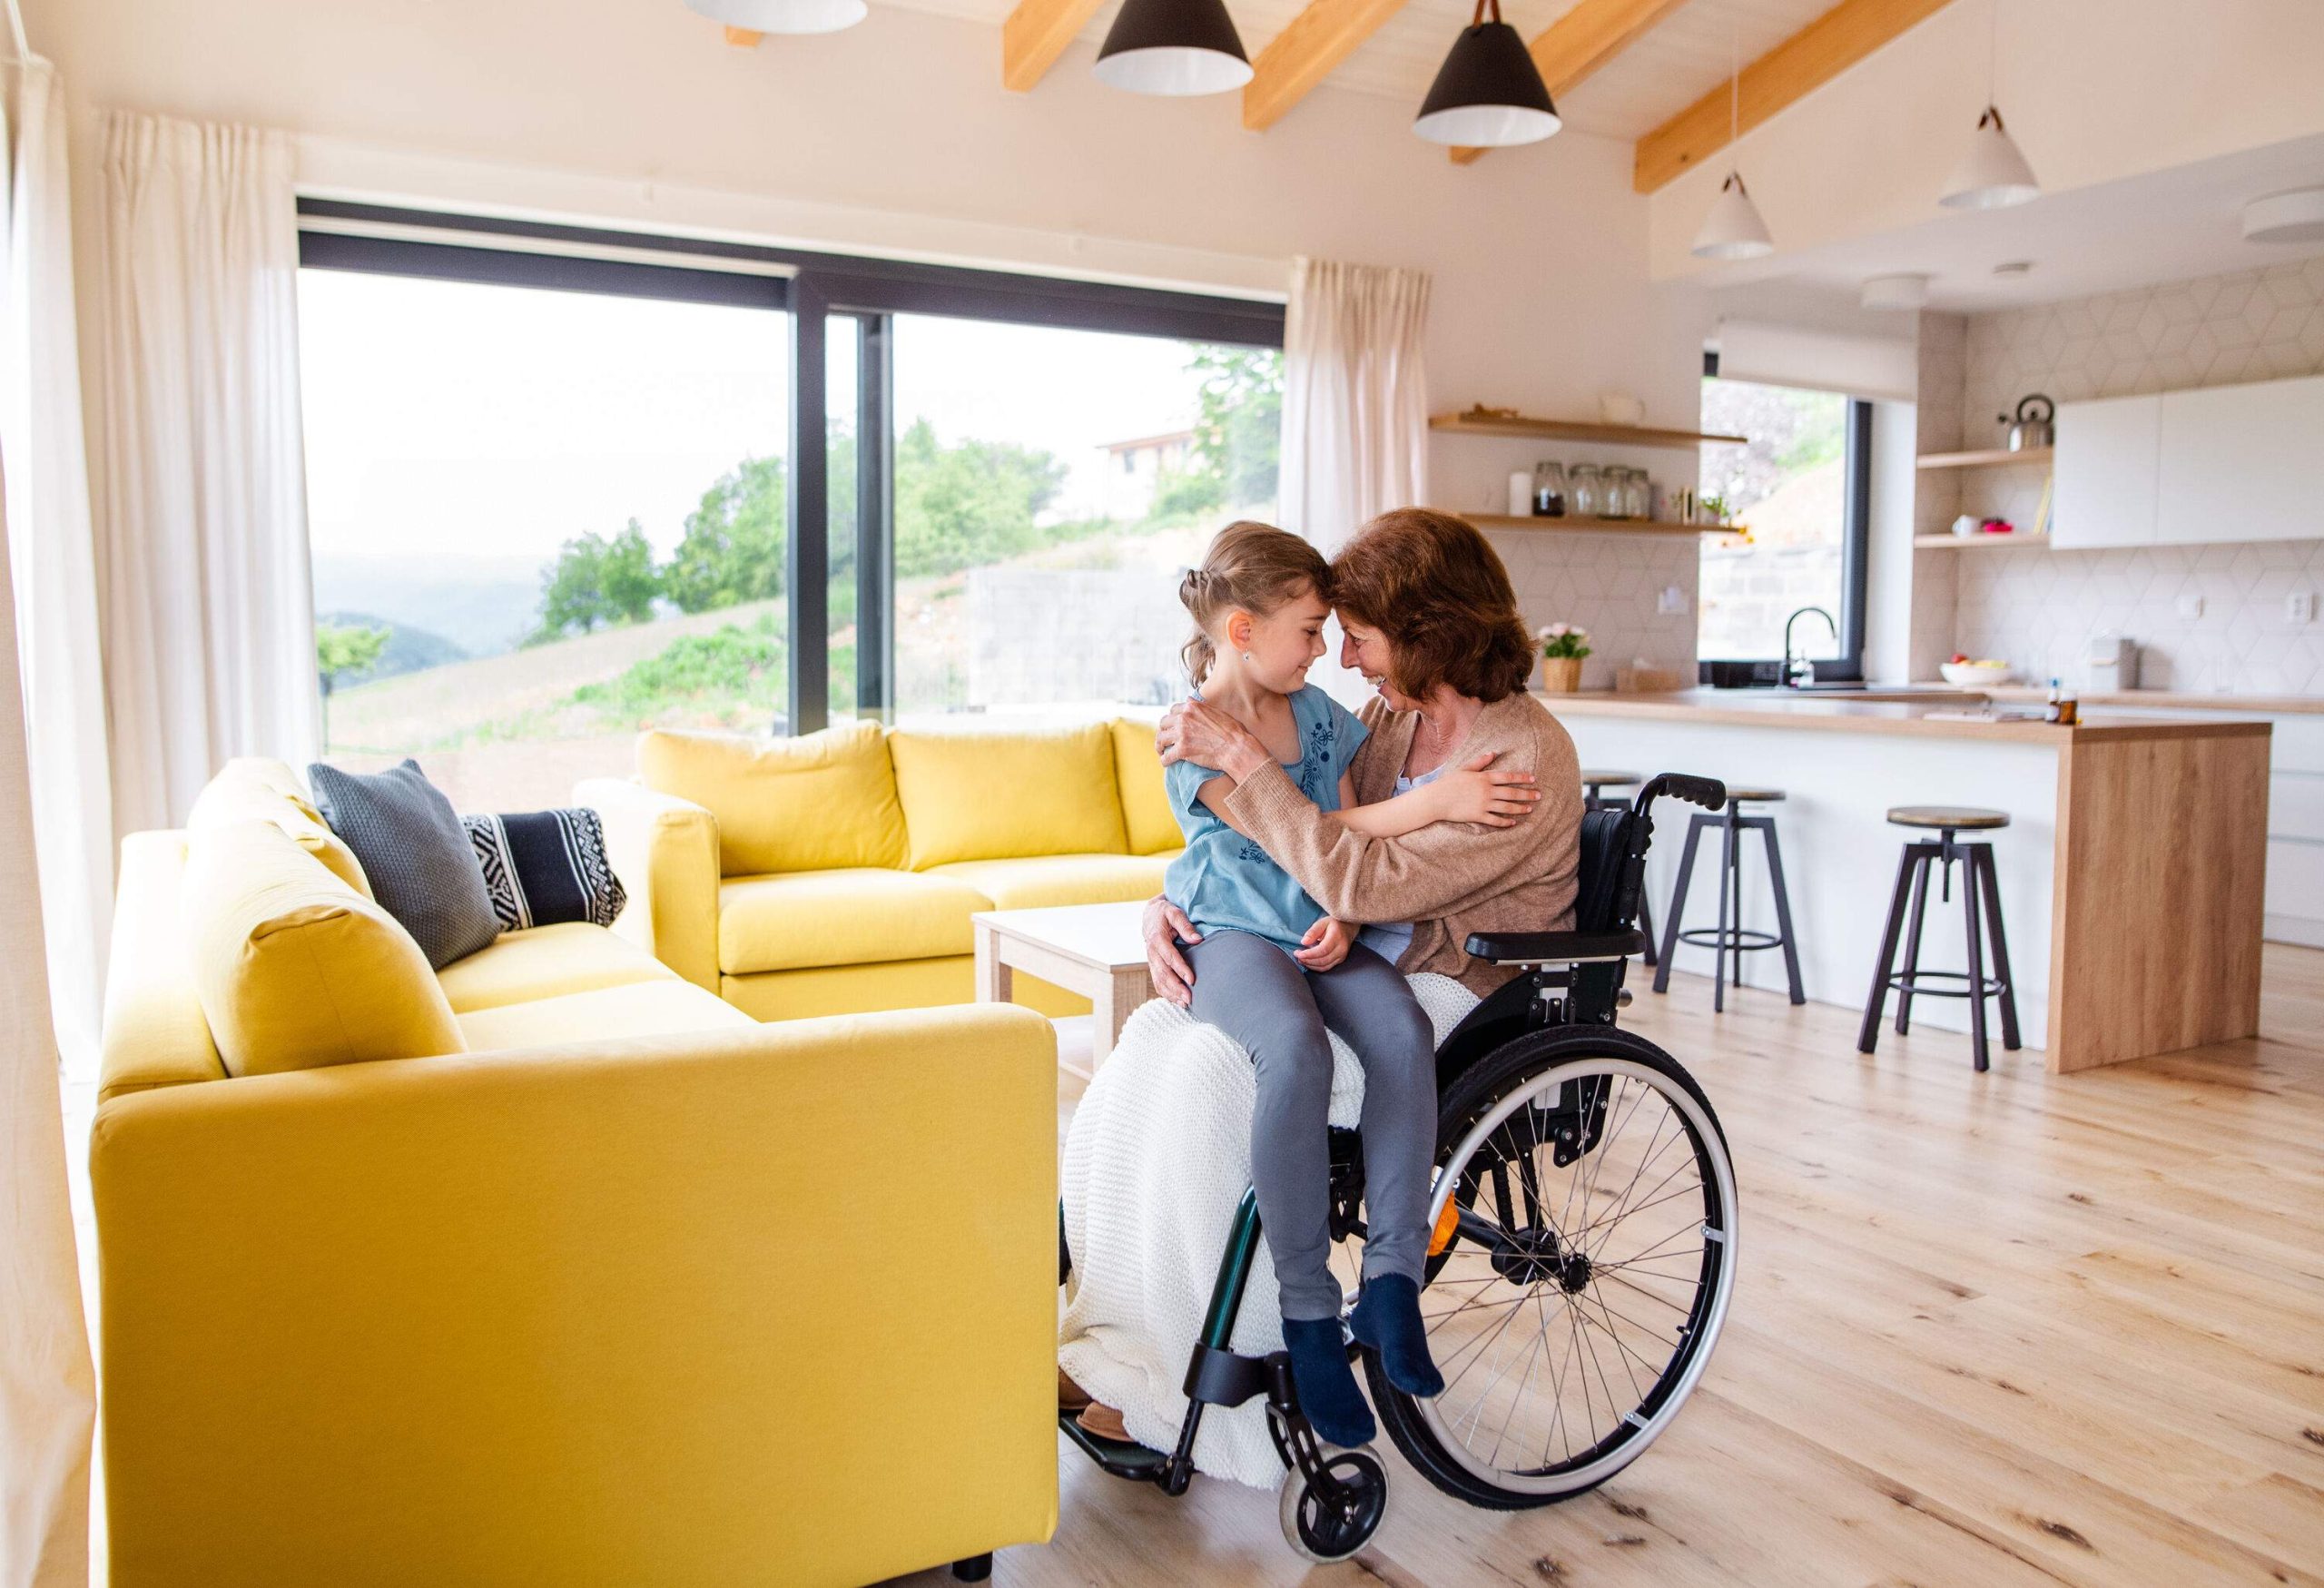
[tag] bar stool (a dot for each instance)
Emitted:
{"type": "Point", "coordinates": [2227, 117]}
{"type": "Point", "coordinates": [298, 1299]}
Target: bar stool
{"type": "Point", "coordinates": [1729, 935]}
{"type": "Point", "coordinates": [1593, 800]}
{"type": "Point", "coordinates": [1977, 879]}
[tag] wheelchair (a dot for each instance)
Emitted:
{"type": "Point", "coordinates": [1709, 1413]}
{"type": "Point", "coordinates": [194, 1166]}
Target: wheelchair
{"type": "Point", "coordinates": [1583, 1251]}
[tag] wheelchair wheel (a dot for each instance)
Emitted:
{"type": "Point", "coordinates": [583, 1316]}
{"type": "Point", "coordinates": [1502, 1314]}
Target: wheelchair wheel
{"type": "Point", "coordinates": [1332, 1527]}
{"type": "Point", "coordinates": [1591, 1209]}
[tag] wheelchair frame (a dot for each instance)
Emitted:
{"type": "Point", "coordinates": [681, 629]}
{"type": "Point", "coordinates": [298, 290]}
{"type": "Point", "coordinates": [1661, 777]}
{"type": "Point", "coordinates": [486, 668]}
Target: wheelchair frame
{"type": "Point", "coordinates": [1571, 980]}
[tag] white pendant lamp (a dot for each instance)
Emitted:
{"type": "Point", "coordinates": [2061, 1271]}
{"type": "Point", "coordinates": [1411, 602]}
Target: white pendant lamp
{"type": "Point", "coordinates": [1992, 174]}
{"type": "Point", "coordinates": [784, 15]}
{"type": "Point", "coordinates": [1733, 228]}
{"type": "Point", "coordinates": [1173, 47]}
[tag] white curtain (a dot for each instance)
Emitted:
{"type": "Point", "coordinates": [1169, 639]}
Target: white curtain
{"type": "Point", "coordinates": [53, 560]}
{"type": "Point", "coordinates": [1355, 410]}
{"type": "Point", "coordinates": [200, 483]}
{"type": "Point", "coordinates": [48, 1387]}
{"type": "Point", "coordinates": [1355, 397]}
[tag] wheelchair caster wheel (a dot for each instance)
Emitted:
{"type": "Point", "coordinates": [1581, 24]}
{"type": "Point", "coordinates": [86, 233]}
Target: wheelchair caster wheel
{"type": "Point", "coordinates": [1331, 1520]}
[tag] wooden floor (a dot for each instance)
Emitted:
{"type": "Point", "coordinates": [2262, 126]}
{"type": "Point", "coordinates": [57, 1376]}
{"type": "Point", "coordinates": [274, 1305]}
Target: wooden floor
{"type": "Point", "coordinates": [2001, 1329]}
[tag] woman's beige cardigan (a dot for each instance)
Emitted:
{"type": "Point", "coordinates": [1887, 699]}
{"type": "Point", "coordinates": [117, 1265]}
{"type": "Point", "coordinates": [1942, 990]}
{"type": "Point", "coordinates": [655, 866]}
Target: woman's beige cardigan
{"type": "Point", "coordinates": [1448, 879]}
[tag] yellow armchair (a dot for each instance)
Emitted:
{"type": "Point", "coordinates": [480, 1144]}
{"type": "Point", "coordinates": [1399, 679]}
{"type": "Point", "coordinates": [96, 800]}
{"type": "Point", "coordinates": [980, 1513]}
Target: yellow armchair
{"type": "Point", "coordinates": [664, 850]}
{"type": "Point", "coordinates": [682, 1309]}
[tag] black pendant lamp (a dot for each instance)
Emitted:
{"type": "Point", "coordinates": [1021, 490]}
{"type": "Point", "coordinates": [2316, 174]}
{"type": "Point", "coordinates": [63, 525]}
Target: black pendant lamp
{"type": "Point", "coordinates": [1488, 95]}
{"type": "Point", "coordinates": [1173, 47]}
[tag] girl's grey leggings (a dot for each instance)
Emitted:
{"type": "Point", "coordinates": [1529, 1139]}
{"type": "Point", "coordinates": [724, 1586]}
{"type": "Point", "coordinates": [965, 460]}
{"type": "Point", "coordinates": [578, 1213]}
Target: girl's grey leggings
{"type": "Point", "coordinates": [1279, 1009]}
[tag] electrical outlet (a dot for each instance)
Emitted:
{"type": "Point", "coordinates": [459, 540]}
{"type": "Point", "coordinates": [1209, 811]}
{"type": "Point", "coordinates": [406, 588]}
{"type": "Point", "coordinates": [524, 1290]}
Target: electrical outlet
{"type": "Point", "coordinates": [1672, 602]}
{"type": "Point", "coordinates": [2299, 606]}
{"type": "Point", "coordinates": [2191, 606]}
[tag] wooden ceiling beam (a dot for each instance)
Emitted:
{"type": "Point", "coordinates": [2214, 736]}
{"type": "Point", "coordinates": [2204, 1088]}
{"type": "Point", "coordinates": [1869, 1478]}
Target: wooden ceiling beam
{"type": "Point", "coordinates": [1305, 53]}
{"type": "Point", "coordinates": [1574, 47]}
{"type": "Point", "coordinates": [1036, 35]}
{"type": "Point", "coordinates": [1794, 69]}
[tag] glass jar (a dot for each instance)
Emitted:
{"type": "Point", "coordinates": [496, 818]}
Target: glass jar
{"type": "Point", "coordinates": [1586, 492]}
{"type": "Point", "coordinates": [1549, 490]}
{"type": "Point", "coordinates": [1636, 495]}
{"type": "Point", "coordinates": [1614, 502]}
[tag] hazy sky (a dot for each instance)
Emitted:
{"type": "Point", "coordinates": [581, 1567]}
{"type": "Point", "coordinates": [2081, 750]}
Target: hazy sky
{"type": "Point", "coordinates": [447, 419]}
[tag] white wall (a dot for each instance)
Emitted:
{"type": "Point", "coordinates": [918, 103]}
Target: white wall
{"type": "Point", "coordinates": [2093, 90]}
{"type": "Point", "coordinates": [900, 129]}
{"type": "Point", "coordinates": [897, 136]}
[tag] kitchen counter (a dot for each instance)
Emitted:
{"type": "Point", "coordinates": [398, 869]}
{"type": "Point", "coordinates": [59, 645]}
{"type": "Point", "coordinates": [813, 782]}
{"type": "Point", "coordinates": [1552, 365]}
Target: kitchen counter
{"type": "Point", "coordinates": [2132, 872]}
{"type": "Point", "coordinates": [1880, 712]}
{"type": "Point", "coordinates": [2164, 699]}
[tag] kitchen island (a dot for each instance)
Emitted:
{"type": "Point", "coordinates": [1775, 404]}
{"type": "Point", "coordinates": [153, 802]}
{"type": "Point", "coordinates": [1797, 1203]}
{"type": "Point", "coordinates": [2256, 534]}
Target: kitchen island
{"type": "Point", "coordinates": [2131, 872]}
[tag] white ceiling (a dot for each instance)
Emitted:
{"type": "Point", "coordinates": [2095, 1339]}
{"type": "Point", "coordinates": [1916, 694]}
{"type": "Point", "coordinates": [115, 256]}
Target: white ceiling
{"type": "Point", "coordinates": [1675, 63]}
{"type": "Point", "coordinates": [2162, 226]}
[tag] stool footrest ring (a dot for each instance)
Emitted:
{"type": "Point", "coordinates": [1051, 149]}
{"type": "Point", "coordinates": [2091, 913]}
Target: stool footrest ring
{"type": "Point", "coordinates": [1737, 939]}
{"type": "Point", "coordinates": [1988, 986]}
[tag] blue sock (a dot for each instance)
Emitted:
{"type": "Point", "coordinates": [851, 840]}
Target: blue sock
{"type": "Point", "coordinates": [1387, 1319]}
{"type": "Point", "coordinates": [1327, 1391]}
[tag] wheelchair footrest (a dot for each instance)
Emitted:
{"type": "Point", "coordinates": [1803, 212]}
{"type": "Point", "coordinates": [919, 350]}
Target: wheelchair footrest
{"type": "Point", "coordinates": [1122, 1457]}
{"type": "Point", "coordinates": [1222, 1379]}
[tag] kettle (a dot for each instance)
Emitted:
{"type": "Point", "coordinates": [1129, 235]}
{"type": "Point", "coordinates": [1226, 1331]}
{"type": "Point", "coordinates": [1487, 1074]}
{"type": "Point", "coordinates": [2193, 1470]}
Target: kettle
{"type": "Point", "coordinates": [2031, 431]}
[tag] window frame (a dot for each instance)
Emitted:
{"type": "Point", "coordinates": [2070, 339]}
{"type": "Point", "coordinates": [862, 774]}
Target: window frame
{"type": "Point", "coordinates": [822, 292]}
{"type": "Point", "coordinates": [1855, 546]}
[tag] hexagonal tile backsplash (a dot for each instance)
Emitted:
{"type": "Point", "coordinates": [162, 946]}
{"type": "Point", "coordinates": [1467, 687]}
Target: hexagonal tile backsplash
{"type": "Point", "coordinates": [2038, 607]}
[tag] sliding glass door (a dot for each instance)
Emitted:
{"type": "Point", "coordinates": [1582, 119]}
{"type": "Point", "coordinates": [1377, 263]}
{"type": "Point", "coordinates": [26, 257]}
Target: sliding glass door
{"type": "Point", "coordinates": [566, 484]}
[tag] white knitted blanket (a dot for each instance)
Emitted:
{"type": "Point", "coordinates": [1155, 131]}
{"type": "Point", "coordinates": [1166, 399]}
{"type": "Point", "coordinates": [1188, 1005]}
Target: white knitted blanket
{"type": "Point", "coordinates": [1158, 1156]}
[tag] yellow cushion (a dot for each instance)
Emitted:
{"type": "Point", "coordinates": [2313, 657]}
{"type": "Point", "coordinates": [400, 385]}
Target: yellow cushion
{"type": "Point", "coordinates": [252, 788]}
{"type": "Point", "coordinates": [981, 795]}
{"type": "Point", "coordinates": [293, 967]}
{"type": "Point", "coordinates": [849, 917]}
{"type": "Point", "coordinates": [809, 803]}
{"type": "Point", "coordinates": [1146, 804]}
{"type": "Point", "coordinates": [1042, 880]}
{"type": "Point", "coordinates": [642, 1008]}
{"type": "Point", "coordinates": [547, 962]}
{"type": "Point", "coordinates": [827, 990]}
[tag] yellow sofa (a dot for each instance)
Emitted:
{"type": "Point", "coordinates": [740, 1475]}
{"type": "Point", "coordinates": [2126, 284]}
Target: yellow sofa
{"type": "Point", "coordinates": [837, 871]}
{"type": "Point", "coordinates": [619, 1288]}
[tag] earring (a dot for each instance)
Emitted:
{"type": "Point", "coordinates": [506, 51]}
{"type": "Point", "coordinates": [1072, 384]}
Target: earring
{"type": "Point", "coordinates": [1246, 656]}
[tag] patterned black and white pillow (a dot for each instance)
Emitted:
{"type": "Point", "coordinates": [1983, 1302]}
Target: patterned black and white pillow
{"type": "Point", "coordinates": [546, 866]}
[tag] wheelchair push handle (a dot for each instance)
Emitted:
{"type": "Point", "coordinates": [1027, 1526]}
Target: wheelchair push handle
{"type": "Point", "coordinates": [1707, 791]}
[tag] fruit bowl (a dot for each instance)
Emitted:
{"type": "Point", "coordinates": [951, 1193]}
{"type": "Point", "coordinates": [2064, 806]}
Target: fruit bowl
{"type": "Point", "coordinates": [1978, 675]}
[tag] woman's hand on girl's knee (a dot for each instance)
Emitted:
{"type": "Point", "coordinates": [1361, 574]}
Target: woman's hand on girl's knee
{"type": "Point", "coordinates": [1165, 927]}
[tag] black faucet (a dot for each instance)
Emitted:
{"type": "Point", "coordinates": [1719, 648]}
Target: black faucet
{"type": "Point", "coordinates": [1792, 680]}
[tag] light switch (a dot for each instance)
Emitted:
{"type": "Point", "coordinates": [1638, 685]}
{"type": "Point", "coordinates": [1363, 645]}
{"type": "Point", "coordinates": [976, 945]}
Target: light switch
{"type": "Point", "coordinates": [2191, 605]}
{"type": "Point", "coordinates": [1672, 602]}
{"type": "Point", "coordinates": [2299, 606]}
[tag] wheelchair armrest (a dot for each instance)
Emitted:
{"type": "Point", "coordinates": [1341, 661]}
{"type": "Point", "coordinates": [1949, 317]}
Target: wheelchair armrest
{"type": "Point", "coordinates": [1554, 948]}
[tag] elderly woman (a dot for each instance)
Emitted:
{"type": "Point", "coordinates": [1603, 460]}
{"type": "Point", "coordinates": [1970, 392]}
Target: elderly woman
{"type": "Point", "coordinates": [1431, 623]}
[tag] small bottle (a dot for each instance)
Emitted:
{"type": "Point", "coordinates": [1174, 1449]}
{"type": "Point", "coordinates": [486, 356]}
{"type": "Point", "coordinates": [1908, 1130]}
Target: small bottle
{"type": "Point", "coordinates": [2069, 706]}
{"type": "Point", "coordinates": [2055, 705]}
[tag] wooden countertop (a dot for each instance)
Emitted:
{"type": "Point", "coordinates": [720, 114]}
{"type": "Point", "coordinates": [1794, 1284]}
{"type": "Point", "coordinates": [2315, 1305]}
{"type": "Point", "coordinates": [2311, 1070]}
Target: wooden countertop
{"type": "Point", "coordinates": [2168, 699]}
{"type": "Point", "coordinates": [1771, 708]}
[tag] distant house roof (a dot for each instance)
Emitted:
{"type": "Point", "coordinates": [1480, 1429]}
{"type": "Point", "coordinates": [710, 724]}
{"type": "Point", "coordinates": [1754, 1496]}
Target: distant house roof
{"type": "Point", "coordinates": [1140, 442]}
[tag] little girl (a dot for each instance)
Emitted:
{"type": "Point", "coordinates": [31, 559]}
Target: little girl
{"type": "Point", "coordinates": [1275, 972]}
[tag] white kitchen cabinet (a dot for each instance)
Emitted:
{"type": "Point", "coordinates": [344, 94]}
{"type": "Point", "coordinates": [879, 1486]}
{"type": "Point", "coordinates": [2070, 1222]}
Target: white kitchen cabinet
{"type": "Point", "coordinates": [2239, 463]}
{"type": "Point", "coordinates": [2108, 452]}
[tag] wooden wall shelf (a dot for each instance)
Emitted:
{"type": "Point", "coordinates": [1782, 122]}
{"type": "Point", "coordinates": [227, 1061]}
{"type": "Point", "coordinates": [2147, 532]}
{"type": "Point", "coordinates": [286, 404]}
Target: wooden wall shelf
{"type": "Point", "coordinates": [1573, 526]}
{"type": "Point", "coordinates": [1479, 422]}
{"type": "Point", "coordinates": [1980, 542]}
{"type": "Point", "coordinates": [1994, 458]}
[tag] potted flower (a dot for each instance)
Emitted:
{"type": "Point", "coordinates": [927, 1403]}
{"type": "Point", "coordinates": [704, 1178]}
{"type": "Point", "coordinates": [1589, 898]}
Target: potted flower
{"type": "Point", "coordinates": [1562, 647]}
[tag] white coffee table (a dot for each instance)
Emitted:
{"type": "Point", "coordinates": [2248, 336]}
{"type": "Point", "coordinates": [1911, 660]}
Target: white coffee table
{"type": "Point", "coordinates": [1093, 949]}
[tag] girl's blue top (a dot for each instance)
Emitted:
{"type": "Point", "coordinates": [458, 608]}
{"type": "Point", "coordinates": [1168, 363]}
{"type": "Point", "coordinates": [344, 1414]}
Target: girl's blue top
{"type": "Point", "coordinates": [1226, 882]}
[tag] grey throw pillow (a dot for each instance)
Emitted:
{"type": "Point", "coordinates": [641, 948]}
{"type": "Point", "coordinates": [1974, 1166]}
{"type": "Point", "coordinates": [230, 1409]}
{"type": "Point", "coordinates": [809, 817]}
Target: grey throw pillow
{"type": "Point", "coordinates": [415, 851]}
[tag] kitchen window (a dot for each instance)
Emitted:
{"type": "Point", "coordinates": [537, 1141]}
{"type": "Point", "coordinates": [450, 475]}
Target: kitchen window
{"type": "Point", "coordinates": [1801, 493]}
